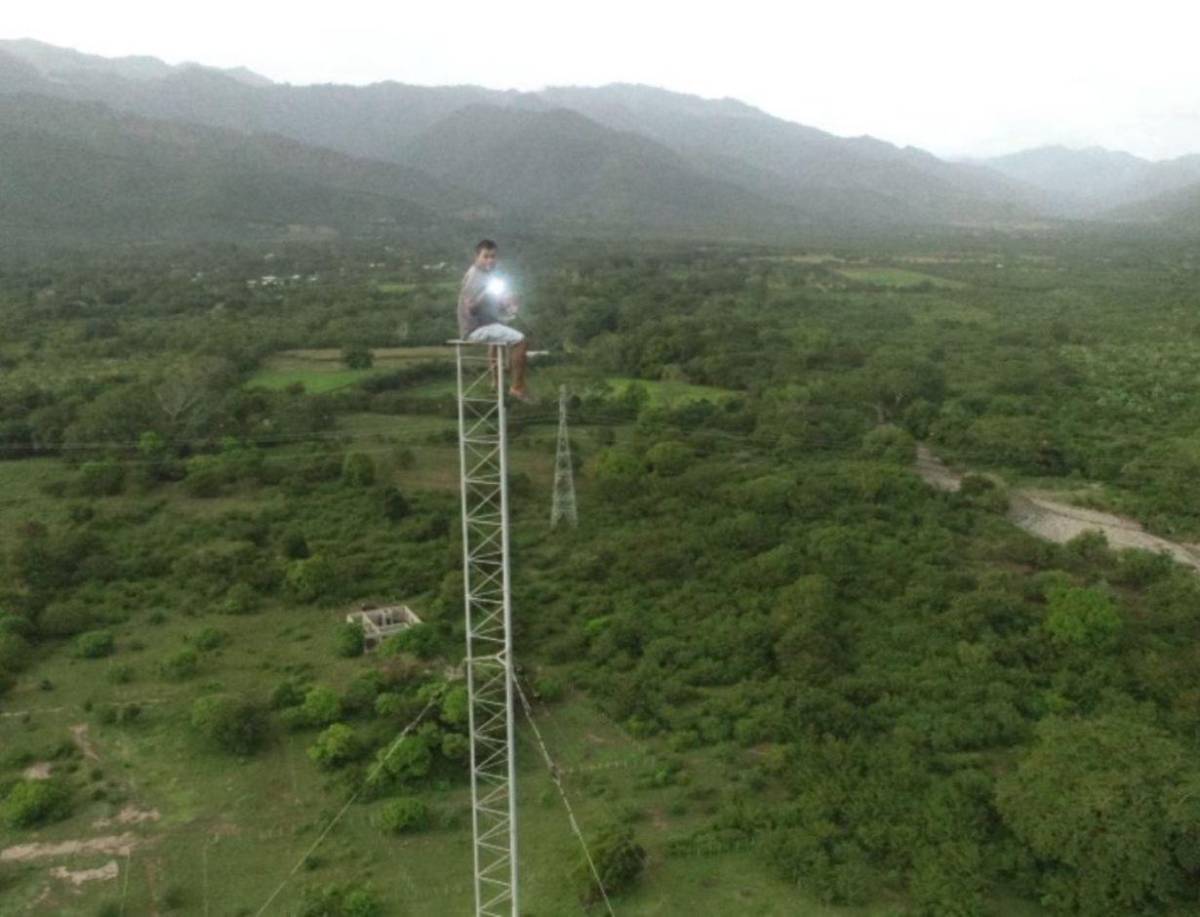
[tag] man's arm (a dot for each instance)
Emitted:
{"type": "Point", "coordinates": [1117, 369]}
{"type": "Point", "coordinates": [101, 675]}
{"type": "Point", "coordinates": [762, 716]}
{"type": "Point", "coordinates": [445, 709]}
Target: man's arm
{"type": "Point", "coordinates": [474, 292]}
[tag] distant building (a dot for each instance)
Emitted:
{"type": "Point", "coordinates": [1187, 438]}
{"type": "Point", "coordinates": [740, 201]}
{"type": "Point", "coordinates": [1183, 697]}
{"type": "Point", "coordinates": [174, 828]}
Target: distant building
{"type": "Point", "coordinates": [380, 623]}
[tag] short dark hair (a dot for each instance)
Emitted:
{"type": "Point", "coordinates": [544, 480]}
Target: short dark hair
{"type": "Point", "coordinates": [486, 245]}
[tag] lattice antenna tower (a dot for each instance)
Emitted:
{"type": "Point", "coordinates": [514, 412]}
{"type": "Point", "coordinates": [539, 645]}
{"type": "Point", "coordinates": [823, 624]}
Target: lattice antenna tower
{"type": "Point", "coordinates": [563, 507]}
{"type": "Point", "coordinates": [483, 454]}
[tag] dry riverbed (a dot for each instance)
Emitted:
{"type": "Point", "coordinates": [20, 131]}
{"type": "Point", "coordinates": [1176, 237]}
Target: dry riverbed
{"type": "Point", "coordinates": [1047, 518]}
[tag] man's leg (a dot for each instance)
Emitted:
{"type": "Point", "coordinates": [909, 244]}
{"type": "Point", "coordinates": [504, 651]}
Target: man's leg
{"type": "Point", "coordinates": [519, 363]}
{"type": "Point", "coordinates": [502, 336]}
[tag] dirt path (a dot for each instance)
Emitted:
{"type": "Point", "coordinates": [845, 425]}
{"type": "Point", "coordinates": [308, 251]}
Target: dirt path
{"type": "Point", "coordinates": [1047, 518]}
{"type": "Point", "coordinates": [79, 732]}
{"type": "Point", "coordinates": [118, 844]}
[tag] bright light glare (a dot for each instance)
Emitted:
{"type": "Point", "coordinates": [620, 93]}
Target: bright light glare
{"type": "Point", "coordinates": [496, 286]}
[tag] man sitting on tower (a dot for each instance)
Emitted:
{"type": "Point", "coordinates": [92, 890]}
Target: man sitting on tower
{"type": "Point", "coordinates": [485, 304]}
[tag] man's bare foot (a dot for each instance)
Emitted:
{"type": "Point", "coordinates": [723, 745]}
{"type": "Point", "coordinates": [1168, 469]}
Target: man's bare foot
{"type": "Point", "coordinates": [522, 395]}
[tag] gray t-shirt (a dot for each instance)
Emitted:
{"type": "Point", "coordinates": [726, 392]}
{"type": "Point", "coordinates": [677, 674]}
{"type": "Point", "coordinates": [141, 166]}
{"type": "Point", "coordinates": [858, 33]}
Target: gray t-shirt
{"type": "Point", "coordinates": [476, 306]}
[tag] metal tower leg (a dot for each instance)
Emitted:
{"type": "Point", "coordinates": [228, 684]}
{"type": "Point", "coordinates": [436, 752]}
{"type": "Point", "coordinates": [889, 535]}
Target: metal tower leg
{"type": "Point", "coordinates": [483, 454]}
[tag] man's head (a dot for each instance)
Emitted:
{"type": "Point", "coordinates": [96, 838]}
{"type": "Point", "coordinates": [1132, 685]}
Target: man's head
{"type": "Point", "coordinates": [485, 255]}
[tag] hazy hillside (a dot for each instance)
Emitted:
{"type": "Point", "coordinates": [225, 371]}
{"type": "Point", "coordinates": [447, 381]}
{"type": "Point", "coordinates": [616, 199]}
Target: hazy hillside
{"type": "Point", "coordinates": [78, 170]}
{"type": "Point", "coordinates": [827, 175]}
{"type": "Point", "coordinates": [1089, 181]}
{"type": "Point", "coordinates": [66, 65]}
{"type": "Point", "coordinates": [606, 159]}
{"type": "Point", "coordinates": [1175, 211]}
{"type": "Point", "coordinates": [858, 181]}
{"type": "Point", "coordinates": [561, 167]}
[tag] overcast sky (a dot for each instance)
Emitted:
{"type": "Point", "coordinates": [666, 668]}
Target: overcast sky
{"type": "Point", "coordinates": [957, 78]}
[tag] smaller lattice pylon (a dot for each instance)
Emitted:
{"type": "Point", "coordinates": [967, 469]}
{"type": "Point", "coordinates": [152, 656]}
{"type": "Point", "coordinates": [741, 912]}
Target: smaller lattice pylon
{"type": "Point", "coordinates": [564, 473]}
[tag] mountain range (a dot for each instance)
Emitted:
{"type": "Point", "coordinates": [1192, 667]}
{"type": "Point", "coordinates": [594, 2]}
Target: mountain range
{"type": "Point", "coordinates": [133, 147]}
{"type": "Point", "coordinates": [1095, 181]}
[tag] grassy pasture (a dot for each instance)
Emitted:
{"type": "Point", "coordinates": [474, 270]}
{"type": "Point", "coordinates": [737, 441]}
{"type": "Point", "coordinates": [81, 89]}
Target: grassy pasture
{"type": "Point", "coordinates": [221, 840]}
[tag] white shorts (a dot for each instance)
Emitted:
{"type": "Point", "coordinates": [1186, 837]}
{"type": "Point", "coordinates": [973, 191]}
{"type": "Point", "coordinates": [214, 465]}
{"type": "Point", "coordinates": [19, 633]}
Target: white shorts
{"type": "Point", "coordinates": [495, 333]}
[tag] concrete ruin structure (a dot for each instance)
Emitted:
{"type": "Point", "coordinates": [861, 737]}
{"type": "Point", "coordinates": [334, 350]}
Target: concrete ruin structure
{"type": "Point", "coordinates": [380, 623]}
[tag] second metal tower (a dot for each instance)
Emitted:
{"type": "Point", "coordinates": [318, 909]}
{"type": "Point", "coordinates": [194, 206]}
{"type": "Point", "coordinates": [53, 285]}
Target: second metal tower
{"type": "Point", "coordinates": [564, 472]}
{"type": "Point", "coordinates": [483, 454]}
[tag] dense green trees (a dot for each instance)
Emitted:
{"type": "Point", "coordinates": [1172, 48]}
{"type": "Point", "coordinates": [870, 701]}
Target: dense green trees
{"type": "Point", "coordinates": [1109, 806]}
{"type": "Point", "coordinates": [884, 692]}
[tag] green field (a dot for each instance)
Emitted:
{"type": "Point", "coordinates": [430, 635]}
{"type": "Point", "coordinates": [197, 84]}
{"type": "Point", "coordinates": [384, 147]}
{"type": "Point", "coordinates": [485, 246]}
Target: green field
{"type": "Point", "coordinates": [322, 370]}
{"type": "Point", "coordinates": [900, 278]}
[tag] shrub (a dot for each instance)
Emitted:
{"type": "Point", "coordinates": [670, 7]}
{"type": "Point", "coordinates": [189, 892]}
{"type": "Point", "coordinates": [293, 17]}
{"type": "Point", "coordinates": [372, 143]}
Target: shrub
{"type": "Point", "coordinates": [420, 640]}
{"type": "Point", "coordinates": [336, 746]}
{"type": "Point", "coordinates": [357, 358]}
{"type": "Point", "coordinates": [210, 639]}
{"type": "Point", "coordinates": [360, 695]}
{"type": "Point", "coordinates": [295, 546]}
{"type": "Point", "coordinates": [321, 706]}
{"type": "Point", "coordinates": [983, 493]}
{"type": "Point", "coordinates": [94, 645]}
{"type": "Point", "coordinates": [36, 802]}
{"type": "Point", "coordinates": [889, 444]}
{"type": "Point", "coordinates": [395, 504]}
{"type": "Point", "coordinates": [410, 760]}
{"type": "Point", "coordinates": [456, 706]}
{"type": "Point", "coordinates": [455, 746]}
{"type": "Point", "coordinates": [348, 639]}
{"type": "Point", "coordinates": [16, 624]}
{"type": "Point", "coordinates": [241, 599]}
{"type": "Point", "coordinates": [340, 900]}
{"type": "Point", "coordinates": [391, 704]}
{"type": "Point", "coordinates": [1086, 618]}
{"type": "Point", "coordinates": [312, 579]}
{"type": "Point", "coordinates": [14, 651]}
{"type": "Point", "coordinates": [1141, 568]}
{"type": "Point", "coordinates": [232, 724]}
{"type": "Point", "coordinates": [549, 688]}
{"type": "Point", "coordinates": [619, 860]}
{"type": "Point", "coordinates": [172, 899]}
{"type": "Point", "coordinates": [65, 619]}
{"type": "Point", "coordinates": [669, 458]}
{"type": "Point", "coordinates": [403, 816]}
{"type": "Point", "coordinates": [206, 477]}
{"type": "Point", "coordinates": [288, 693]}
{"type": "Point", "coordinates": [181, 665]}
{"type": "Point", "coordinates": [101, 479]}
{"type": "Point", "coordinates": [358, 470]}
